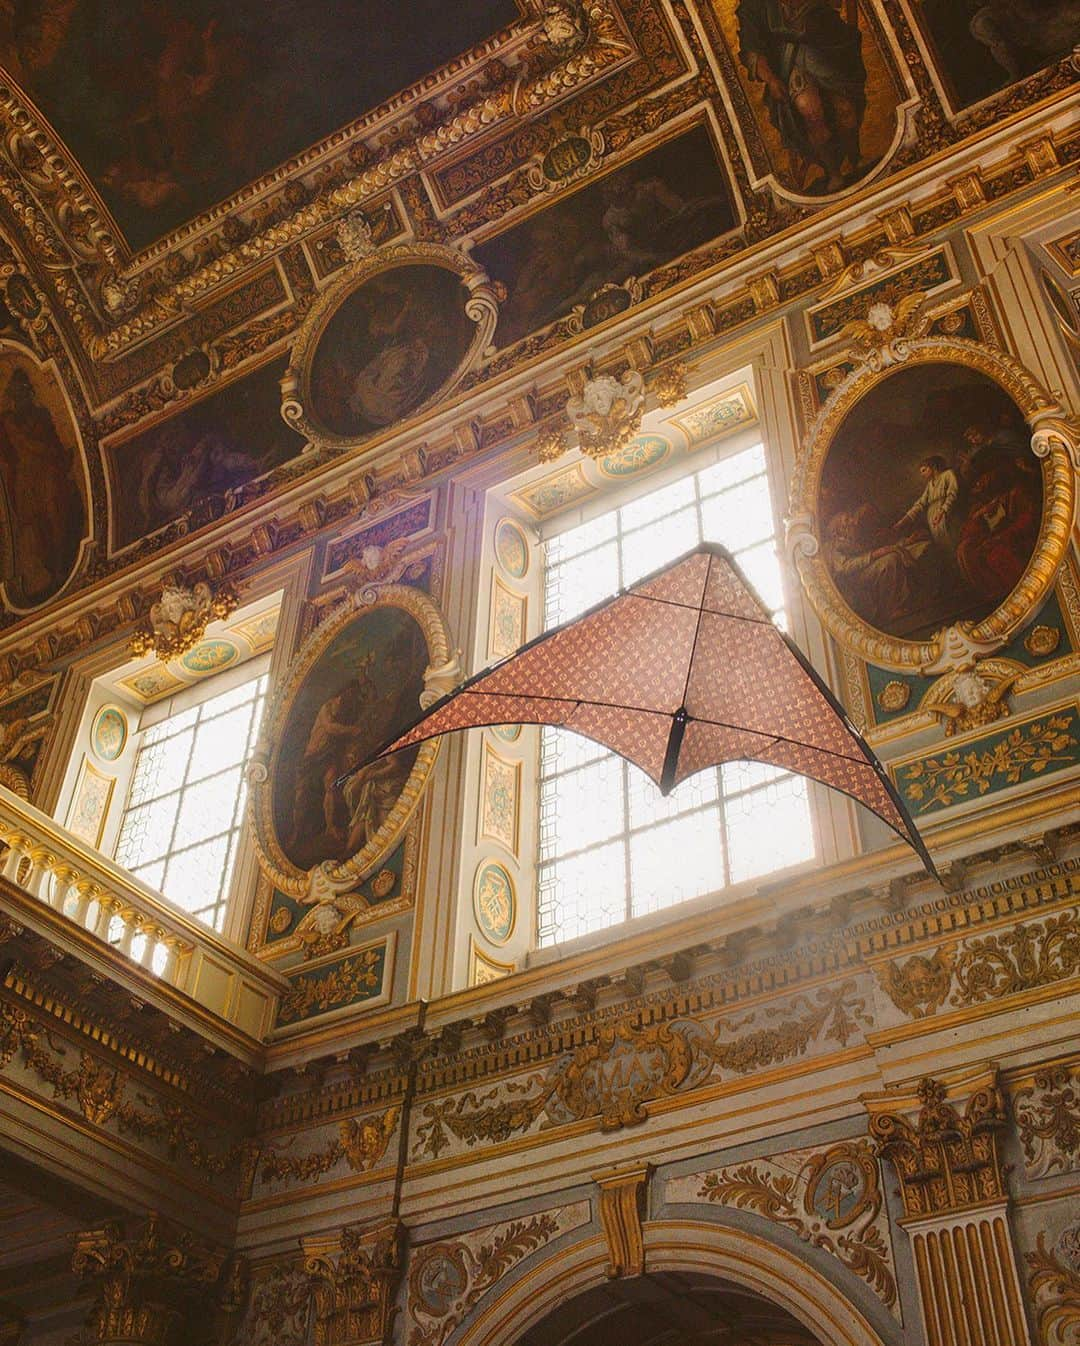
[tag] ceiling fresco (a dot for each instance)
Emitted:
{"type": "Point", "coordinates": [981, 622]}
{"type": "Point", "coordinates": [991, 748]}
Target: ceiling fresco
{"type": "Point", "coordinates": [624, 224]}
{"type": "Point", "coordinates": [585, 159]}
{"type": "Point", "coordinates": [171, 107]}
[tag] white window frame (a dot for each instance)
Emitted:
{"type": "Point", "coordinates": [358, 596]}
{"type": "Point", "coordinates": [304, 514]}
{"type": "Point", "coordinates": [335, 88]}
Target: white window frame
{"type": "Point", "coordinates": [724, 800]}
{"type": "Point", "coordinates": [217, 914]}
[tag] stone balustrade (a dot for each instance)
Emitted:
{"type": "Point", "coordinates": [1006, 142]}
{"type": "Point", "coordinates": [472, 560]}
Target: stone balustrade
{"type": "Point", "coordinates": [48, 863]}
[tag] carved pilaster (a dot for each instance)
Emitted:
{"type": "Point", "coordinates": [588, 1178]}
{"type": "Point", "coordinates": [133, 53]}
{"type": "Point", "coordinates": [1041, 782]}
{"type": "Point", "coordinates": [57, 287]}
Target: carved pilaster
{"type": "Point", "coordinates": [956, 1209]}
{"type": "Point", "coordinates": [622, 1198]}
{"type": "Point", "coordinates": [157, 1285]}
{"type": "Point", "coordinates": [354, 1278]}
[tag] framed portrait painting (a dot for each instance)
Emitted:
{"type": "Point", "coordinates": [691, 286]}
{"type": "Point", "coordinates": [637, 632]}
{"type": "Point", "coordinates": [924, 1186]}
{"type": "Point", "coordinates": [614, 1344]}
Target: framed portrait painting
{"type": "Point", "coordinates": [394, 334]}
{"type": "Point", "coordinates": [934, 504]}
{"type": "Point", "coordinates": [357, 681]}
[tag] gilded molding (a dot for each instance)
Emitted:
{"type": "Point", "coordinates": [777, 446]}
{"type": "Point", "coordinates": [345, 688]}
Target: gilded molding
{"type": "Point", "coordinates": [621, 1195]}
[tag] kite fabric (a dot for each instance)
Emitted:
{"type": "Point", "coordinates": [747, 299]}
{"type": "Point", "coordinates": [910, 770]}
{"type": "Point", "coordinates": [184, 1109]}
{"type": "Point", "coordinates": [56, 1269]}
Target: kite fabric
{"type": "Point", "coordinates": [680, 671]}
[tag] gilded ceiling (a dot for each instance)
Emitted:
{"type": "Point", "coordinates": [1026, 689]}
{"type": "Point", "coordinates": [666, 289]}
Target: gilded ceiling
{"type": "Point", "coordinates": [188, 194]}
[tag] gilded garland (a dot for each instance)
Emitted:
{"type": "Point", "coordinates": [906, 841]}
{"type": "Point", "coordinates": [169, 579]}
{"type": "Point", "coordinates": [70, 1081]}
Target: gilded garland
{"type": "Point", "coordinates": [934, 497]}
{"type": "Point", "coordinates": [396, 332]}
{"type": "Point", "coordinates": [359, 678]}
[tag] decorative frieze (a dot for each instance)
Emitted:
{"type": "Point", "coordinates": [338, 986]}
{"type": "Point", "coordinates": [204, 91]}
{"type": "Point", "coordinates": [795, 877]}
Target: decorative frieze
{"type": "Point", "coordinates": [1021, 957]}
{"type": "Point", "coordinates": [627, 1064]}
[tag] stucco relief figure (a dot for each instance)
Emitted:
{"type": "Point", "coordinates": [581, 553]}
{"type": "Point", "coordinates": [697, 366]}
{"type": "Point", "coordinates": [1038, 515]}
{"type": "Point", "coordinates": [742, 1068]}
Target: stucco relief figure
{"type": "Point", "coordinates": [42, 510]}
{"type": "Point", "coordinates": [389, 347]}
{"type": "Point", "coordinates": [366, 685]}
{"type": "Point", "coordinates": [808, 55]}
{"type": "Point", "coordinates": [915, 539]}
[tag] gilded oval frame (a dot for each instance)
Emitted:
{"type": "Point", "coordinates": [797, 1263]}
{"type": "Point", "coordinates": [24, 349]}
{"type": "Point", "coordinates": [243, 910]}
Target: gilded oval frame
{"type": "Point", "coordinates": [329, 877]}
{"type": "Point", "coordinates": [1055, 440]}
{"type": "Point", "coordinates": [481, 308]}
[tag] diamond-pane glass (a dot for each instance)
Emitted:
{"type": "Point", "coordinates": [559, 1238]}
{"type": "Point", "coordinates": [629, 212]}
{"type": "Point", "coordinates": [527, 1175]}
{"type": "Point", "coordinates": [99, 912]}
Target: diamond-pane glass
{"type": "Point", "coordinates": [186, 803]}
{"type": "Point", "coordinates": [610, 847]}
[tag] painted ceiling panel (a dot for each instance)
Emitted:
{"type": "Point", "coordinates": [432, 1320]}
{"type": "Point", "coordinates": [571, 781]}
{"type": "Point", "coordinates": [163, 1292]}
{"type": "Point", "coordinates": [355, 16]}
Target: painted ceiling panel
{"type": "Point", "coordinates": [171, 107]}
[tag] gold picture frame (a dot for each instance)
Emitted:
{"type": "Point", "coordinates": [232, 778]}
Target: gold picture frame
{"type": "Point", "coordinates": [480, 308]}
{"type": "Point", "coordinates": [1055, 440]}
{"type": "Point", "coordinates": [329, 881]}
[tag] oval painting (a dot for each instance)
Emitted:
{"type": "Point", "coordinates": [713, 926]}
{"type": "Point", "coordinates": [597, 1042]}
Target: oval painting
{"type": "Point", "coordinates": [363, 688]}
{"type": "Point", "coordinates": [43, 516]}
{"type": "Point", "coordinates": [930, 501]}
{"type": "Point", "coordinates": [390, 346]}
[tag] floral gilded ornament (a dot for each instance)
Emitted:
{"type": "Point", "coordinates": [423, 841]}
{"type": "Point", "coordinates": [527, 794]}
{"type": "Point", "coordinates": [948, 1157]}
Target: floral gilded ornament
{"type": "Point", "coordinates": [831, 1199]}
{"type": "Point", "coordinates": [179, 618]}
{"type": "Point", "coordinates": [1047, 1113]}
{"type": "Point", "coordinates": [945, 1159]}
{"type": "Point", "coordinates": [607, 415]}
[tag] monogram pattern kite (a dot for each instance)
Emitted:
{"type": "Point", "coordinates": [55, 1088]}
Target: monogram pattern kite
{"type": "Point", "coordinates": [680, 672]}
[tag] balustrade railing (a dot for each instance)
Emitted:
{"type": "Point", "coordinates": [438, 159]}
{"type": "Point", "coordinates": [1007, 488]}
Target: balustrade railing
{"type": "Point", "coordinates": [46, 862]}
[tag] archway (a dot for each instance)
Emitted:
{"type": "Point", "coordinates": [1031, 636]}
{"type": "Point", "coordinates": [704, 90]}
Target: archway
{"type": "Point", "coordinates": [728, 1266]}
{"type": "Point", "coordinates": [670, 1308]}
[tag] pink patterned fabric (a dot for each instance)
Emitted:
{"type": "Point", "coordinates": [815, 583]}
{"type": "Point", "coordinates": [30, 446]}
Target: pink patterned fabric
{"type": "Point", "coordinates": [682, 671]}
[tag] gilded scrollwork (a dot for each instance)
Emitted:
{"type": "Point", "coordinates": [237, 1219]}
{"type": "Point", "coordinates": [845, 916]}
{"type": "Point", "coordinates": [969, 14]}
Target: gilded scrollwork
{"type": "Point", "coordinates": [1054, 1287]}
{"type": "Point", "coordinates": [888, 338]}
{"type": "Point", "coordinates": [448, 1279]}
{"type": "Point", "coordinates": [1025, 956]}
{"type": "Point", "coordinates": [1047, 1114]}
{"type": "Point", "coordinates": [831, 1199]}
{"type": "Point", "coordinates": [626, 1066]}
